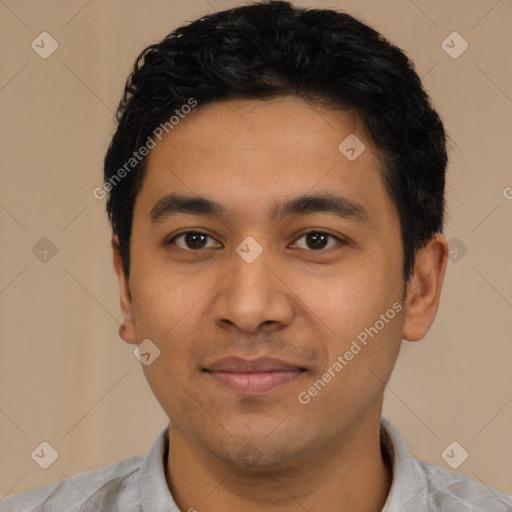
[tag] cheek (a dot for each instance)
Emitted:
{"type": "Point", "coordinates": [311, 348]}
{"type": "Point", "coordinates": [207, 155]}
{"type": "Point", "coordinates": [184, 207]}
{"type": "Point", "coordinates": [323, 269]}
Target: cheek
{"type": "Point", "coordinates": [355, 296]}
{"type": "Point", "coordinates": [169, 309]}
{"type": "Point", "coordinates": [361, 308]}
{"type": "Point", "coordinates": [161, 298]}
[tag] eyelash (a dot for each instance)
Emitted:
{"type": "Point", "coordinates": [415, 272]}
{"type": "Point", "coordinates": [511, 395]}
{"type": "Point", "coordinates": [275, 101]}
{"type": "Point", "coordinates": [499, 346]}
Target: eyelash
{"type": "Point", "coordinates": [317, 232]}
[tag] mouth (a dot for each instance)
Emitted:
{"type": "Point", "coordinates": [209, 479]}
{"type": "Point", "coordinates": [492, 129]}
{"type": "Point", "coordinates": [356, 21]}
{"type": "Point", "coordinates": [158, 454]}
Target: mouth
{"type": "Point", "coordinates": [252, 377]}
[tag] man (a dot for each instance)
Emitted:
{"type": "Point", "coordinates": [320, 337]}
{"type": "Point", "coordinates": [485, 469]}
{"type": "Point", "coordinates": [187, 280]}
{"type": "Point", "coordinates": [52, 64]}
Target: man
{"type": "Point", "coordinates": [276, 192]}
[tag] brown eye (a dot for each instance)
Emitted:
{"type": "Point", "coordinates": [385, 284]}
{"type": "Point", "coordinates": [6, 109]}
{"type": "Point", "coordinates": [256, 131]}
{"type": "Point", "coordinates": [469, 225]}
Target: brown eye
{"type": "Point", "coordinates": [316, 240]}
{"type": "Point", "coordinates": [192, 240]}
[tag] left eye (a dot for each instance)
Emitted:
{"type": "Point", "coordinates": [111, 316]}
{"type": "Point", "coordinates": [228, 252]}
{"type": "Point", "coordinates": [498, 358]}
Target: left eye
{"type": "Point", "coordinates": [195, 240]}
{"type": "Point", "coordinates": [317, 239]}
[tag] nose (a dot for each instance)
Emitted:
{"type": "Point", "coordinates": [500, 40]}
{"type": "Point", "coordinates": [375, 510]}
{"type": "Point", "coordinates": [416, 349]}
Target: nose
{"type": "Point", "coordinates": [254, 295]}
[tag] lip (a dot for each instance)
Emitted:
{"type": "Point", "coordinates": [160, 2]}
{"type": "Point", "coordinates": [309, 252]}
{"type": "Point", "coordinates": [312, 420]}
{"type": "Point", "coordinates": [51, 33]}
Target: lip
{"type": "Point", "coordinates": [259, 365]}
{"type": "Point", "coordinates": [254, 376]}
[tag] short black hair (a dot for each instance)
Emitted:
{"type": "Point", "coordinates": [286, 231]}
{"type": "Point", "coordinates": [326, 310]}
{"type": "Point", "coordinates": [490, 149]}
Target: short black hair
{"type": "Point", "coordinates": [271, 49]}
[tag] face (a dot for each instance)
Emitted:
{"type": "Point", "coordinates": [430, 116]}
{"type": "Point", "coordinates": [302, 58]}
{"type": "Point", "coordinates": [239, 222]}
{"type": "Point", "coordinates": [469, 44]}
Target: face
{"type": "Point", "coordinates": [315, 285]}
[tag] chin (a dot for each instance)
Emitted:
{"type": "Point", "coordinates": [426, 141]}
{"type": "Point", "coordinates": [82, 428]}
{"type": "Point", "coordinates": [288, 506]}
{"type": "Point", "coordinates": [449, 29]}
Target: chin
{"type": "Point", "coordinates": [257, 456]}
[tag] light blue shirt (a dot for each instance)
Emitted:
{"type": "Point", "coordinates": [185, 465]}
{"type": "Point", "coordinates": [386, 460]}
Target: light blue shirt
{"type": "Point", "coordinates": [138, 484]}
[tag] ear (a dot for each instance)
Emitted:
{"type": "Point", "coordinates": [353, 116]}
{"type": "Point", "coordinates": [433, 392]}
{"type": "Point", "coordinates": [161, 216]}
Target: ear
{"type": "Point", "coordinates": [127, 329]}
{"type": "Point", "coordinates": [424, 288]}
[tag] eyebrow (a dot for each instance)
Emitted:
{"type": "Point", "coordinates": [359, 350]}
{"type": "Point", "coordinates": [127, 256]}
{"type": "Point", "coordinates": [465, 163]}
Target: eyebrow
{"type": "Point", "coordinates": [338, 206]}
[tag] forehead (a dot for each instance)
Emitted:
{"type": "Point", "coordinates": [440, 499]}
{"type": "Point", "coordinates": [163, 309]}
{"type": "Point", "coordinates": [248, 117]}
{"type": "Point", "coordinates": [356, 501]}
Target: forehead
{"type": "Point", "coordinates": [247, 124]}
{"type": "Point", "coordinates": [250, 152]}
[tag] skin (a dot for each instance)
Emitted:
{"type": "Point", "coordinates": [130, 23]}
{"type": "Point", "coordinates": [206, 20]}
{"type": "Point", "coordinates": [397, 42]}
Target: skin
{"type": "Point", "coordinates": [299, 303]}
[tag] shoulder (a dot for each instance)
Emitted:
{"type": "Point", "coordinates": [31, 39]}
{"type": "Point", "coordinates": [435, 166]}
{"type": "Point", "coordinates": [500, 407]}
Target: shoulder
{"type": "Point", "coordinates": [421, 486]}
{"type": "Point", "coordinates": [100, 489]}
{"type": "Point", "coordinates": [450, 490]}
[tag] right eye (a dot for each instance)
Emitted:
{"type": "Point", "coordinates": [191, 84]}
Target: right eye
{"type": "Point", "coordinates": [193, 241]}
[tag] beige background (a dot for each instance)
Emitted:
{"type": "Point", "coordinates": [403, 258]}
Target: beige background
{"type": "Point", "coordinates": [65, 375]}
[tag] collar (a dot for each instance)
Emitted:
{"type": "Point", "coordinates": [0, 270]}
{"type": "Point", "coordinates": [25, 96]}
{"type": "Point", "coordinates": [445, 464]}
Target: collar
{"type": "Point", "coordinates": [408, 488]}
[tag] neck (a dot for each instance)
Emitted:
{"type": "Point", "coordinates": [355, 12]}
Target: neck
{"type": "Point", "coordinates": [345, 475]}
